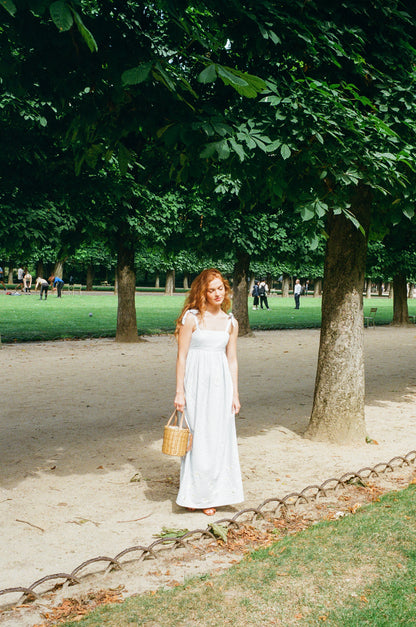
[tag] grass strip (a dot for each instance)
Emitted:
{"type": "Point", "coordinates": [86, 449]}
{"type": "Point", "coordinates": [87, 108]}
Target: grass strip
{"type": "Point", "coordinates": [359, 570]}
{"type": "Point", "coordinates": [27, 318]}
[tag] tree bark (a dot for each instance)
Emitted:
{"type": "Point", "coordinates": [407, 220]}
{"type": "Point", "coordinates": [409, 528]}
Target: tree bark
{"type": "Point", "coordinates": [10, 275]}
{"type": "Point", "coordinates": [170, 282]}
{"type": "Point", "coordinates": [368, 289]}
{"type": "Point", "coordinates": [410, 290]}
{"type": "Point", "coordinates": [380, 288]}
{"type": "Point", "coordinates": [338, 406]}
{"type": "Point", "coordinates": [157, 280]}
{"type": "Point", "coordinates": [240, 292]}
{"type": "Point", "coordinates": [285, 286]}
{"type": "Point", "coordinates": [90, 277]}
{"type": "Point", "coordinates": [400, 309]}
{"type": "Point", "coordinates": [186, 281]}
{"type": "Point", "coordinates": [58, 269]}
{"type": "Point", "coordinates": [126, 288]}
{"type": "Point", "coordinates": [39, 269]}
{"type": "Point", "coordinates": [317, 287]}
{"type": "Point", "coordinates": [251, 285]}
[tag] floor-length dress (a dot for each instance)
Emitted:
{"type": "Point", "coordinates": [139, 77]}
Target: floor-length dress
{"type": "Point", "coordinates": [210, 471]}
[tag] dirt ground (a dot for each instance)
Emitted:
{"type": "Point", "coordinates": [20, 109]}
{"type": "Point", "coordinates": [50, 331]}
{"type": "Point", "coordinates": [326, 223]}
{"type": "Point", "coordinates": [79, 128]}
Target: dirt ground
{"type": "Point", "coordinates": [82, 473]}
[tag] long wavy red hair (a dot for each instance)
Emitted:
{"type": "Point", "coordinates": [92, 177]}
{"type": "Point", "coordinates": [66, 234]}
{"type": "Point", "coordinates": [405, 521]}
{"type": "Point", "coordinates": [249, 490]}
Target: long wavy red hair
{"type": "Point", "coordinates": [196, 298]}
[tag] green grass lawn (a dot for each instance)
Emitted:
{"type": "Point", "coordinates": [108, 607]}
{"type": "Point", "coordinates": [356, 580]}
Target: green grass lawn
{"type": "Point", "coordinates": [356, 571]}
{"type": "Point", "coordinates": [27, 318]}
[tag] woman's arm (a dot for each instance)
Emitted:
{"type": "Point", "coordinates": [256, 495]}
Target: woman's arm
{"type": "Point", "coordinates": [233, 365]}
{"type": "Point", "coordinates": [184, 340]}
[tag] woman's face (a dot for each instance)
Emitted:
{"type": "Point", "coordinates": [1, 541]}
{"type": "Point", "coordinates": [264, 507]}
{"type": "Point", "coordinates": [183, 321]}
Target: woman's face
{"type": "Point", "coordinates": [215, 292]}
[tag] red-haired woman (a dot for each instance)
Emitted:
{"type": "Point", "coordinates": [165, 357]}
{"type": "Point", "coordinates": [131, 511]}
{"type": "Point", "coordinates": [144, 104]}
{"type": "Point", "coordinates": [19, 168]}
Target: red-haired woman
{"type": "Point", "coordinates": [207, 391]}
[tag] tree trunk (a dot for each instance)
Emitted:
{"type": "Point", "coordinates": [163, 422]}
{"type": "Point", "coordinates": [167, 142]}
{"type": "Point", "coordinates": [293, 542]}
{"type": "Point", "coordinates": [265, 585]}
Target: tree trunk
{"type": "Point", "coordinates": [338, 406]}
{"type": "Point", "coordinates": [126, 287]}
{"type": "Point", "coordinates": [115, 283]}
{"type": "Point", "coordinates": [410, 291]}
{"type": "Point", "coordinates": [90, 277]}
{"type": "Point", "coordinates": [240, 285]}
{"type": "Point", "coordinates": [389, 289]}
{"type": "Point", "coordinates": [186, 281]}
{"type": "Point", "coordinates": [285, 286]}
{"type": "Point", "coordinates": [58, 269]}
{"type": "Point", "coordinates": [157, 280]}
{"type": "Point", "coordinates": [380, 288]}
{"type": "Point", "coordinates": [170, 282]}
{"type": "Point", "coordinates": [10, 276]}
{"type": "Point", "coordinates": [400, 309]}
{"type": "Point", "coordinates": [251, 285]}
{"type": "Point", "coordinates": [368, 289]}
{"type": "Point", "coordinates": [39, 269]}
{"type": "Point", "coordinates": [317, 287]}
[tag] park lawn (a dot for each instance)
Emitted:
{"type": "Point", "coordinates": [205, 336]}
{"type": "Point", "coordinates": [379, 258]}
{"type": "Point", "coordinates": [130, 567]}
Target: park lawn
{"type": "Point", "coordinates": [355, 571]}
{"type": "Point", "coordinates": [27, 318]}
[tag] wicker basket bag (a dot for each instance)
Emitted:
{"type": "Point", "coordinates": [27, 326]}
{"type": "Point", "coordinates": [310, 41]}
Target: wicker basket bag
{"type": "Point", "coordinates": [177, 439]}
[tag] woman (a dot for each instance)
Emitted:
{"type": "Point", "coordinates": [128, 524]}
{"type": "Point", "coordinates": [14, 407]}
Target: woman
{"type": "Point", "coordinates": [207, 391]}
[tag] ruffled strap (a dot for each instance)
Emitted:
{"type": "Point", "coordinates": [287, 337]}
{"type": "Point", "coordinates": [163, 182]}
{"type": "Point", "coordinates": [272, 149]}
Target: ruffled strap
{"type": "Point", "coordinates": [231, 321]}
{"type": "Point", "coordinates": [194, 312]}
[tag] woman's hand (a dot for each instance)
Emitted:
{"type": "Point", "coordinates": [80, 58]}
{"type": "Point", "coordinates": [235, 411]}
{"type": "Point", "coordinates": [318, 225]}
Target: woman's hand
{"type": "Point", "coordinates": [179, 401]}
{"type": "Point", "coordinates": [236, 406]}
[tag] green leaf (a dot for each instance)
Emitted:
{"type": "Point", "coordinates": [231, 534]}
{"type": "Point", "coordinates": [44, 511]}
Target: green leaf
{"type": "Point", "coordinates": [123, 158]}
{"type": "Point", "coordinates": [307, 213]}
{"type": "Point", "coordinates": [223, 149]}
{"type": "Point", "coordinates": [136, 75]}
{"type": "Point", "coordinates": [61, 15]}
{"type": "Point", "coordinates": [409, 212]}
{"type": "Point", "coordinates": [209, 75]}
{"type": "Point", "coordinates": [219, 531]}
{"type": "Point", "coordinates": [229, 76]}
{"type": "Point", "coordinates": [85, 33]}
{"type": "Point", "coordinates": [285, 151]}
{"type": "Point", "coordinates": [9, 6]}
{"type": "Point", "coordinates": [209, 150]}
{"type": "Point", "coordinates": [273, 146]}
{"type": "Point", "coordinates": [237, 148]}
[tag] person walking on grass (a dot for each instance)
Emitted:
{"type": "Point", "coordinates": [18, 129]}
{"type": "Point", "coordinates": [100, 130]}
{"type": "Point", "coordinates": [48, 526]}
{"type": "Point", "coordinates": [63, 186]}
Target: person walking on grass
{"type": "Point", "coordinates": [255, 295]}
{"type": "Point", "coordinates": [44, 286]}
{"type": "Point", "coordinates": [297, 291]}
{"type": "Point", "coordinates": [207, 392]}
{"type": "Point", "coordinates": [263, 291]}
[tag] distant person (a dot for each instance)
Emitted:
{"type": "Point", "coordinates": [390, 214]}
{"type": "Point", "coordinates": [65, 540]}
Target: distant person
{"type": "Point", "coordinates": [56, 284]}
{"type": "Point", "coordinates": [2, 277]}
{"type": "Point", "coordinates": [297, 291]}
{"type": "Point", "coordinates": [27, 281]}
{"type": "Point", "coordinates": [44, 286]}
{"type": "Point", "coordinates": [20, 275]}
{"type": "Point", "coordinates": [255, 295]}
{"type": "Point", "coordinates": [71, 280]}
{"type": "Point", "coordinates": [263, 290]}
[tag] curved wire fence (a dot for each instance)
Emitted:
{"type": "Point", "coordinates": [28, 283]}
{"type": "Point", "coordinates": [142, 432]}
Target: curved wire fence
{"type": "Point", "coordinates": [270, 507]}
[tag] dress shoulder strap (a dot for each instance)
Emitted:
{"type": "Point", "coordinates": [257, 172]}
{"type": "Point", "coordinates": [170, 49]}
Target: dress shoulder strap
{"type": "Point", "coordinates": [194, 312]}
{"type": "Point", "coordinates": [231, 321]}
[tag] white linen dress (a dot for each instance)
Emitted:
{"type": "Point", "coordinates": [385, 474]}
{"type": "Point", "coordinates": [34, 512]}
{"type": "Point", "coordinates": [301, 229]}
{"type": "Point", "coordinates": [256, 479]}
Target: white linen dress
{"type": "Point", "coordinates": [210, 471]}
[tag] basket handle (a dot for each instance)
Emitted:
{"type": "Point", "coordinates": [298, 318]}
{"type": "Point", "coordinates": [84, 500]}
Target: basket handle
{"type": "Point", "coordinates": [175, 422]}
{"type": "Point", "coordinates": [183, 420]}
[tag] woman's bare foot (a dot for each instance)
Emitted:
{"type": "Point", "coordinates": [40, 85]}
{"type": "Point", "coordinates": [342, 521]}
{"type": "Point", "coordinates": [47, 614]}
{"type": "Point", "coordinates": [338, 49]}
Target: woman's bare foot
{"type": "Point", "coordinates": [210, 511]}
